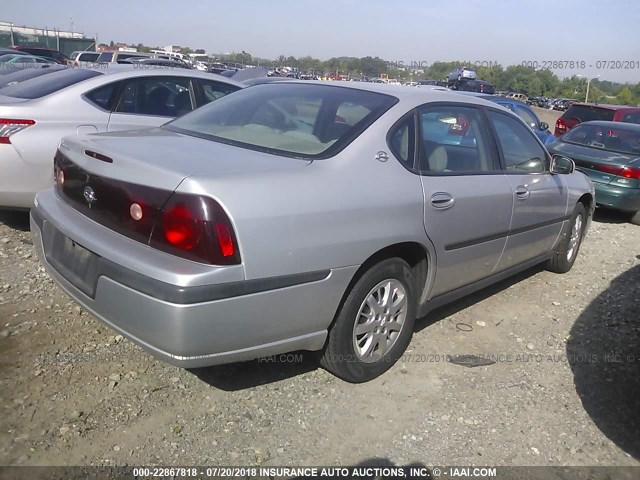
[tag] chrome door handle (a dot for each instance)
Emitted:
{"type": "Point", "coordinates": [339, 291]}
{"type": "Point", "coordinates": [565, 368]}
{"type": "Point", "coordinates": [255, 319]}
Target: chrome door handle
{"type": "Point", "coordinates": [442, 200]}
{"type": "Point", "coordinates": [522, 192]}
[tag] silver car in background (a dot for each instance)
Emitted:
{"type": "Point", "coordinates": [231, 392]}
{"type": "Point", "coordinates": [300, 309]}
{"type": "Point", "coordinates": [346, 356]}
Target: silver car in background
{"type": "Point", "coordinates": [461, 74]}
{"type": "Point", "coordinates": [36, 113]}
{"type": "Point", "coordinates": [304, 216]}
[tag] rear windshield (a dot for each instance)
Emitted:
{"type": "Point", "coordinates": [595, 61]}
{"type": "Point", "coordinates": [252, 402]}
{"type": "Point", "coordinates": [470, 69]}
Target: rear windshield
{"type": "Point", "coordinates": [605, 138]}
{"type": "Point", "coordinates": [47, 84]}
{"type": "Point", "coordinates": [26, 74]}
{"type": "Point", "coordinates": [299, 120]}
{"type": "Point", "coordinates": [587, 113]}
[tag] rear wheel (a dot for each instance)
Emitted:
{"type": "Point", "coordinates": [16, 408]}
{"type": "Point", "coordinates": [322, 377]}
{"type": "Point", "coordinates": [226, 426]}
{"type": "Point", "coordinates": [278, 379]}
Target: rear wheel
{"type": "Point", "coordinates": [635, 219]}
{"type": "Point", "coordinates": [567, 250]}
{"type": "Point", "coordinates": [374, 325]}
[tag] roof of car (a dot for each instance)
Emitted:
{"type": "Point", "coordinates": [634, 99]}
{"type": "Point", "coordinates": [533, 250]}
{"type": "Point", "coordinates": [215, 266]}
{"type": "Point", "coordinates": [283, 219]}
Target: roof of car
{"type": "Point", "coordinates": [634, 127]}
{"type": "Point", "coordinates": [402, 92]}
{"type": "Point", "coordinates": [605, 105]}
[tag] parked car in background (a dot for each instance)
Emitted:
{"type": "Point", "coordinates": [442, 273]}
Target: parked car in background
{"type": "Point", "coordinates": [156, 63]}
{"type": "Point", "coordinates": [585, 112]}
{"type": "Point", "coordinates": [17, 75]}
{"type": "Point", "coordinates": [24, 60]}
{"type": "Point", "coordinates": [437, 83]}
{"type": "Point", "coordinates": [609, 152]}
{"type": "Point", "coordinates": [563, 104]}
{"type": "Point", "coordinates": [82, 58]}
{"type": "Point", "coordinates": [461, 74]}
{"type": "Point", "coordinates": [265, 236]}
{"type": "Point", "coordinates": [541, 129]}
{"type": "Point", "coordinates": [36, 113]}
{"type": "Point", "coordinates": [121, 57]}
{"type": "Point", "coordinates": [521, 97]}
{"type": "Point", "coordinates": [479, 86]}
{"type": "Point", "coordinates": [54, 55]}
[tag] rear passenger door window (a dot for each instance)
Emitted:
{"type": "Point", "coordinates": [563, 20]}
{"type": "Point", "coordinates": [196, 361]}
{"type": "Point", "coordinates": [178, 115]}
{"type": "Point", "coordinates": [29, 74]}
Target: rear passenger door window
{"type": "Point", "coordinates": [151, 102]}
{"type": "Point", "coordinates": [454, 140]}
{"type": "Point", "coordinates": [520, 149]}
{"type": "Point", "coordinates": [163, 97]}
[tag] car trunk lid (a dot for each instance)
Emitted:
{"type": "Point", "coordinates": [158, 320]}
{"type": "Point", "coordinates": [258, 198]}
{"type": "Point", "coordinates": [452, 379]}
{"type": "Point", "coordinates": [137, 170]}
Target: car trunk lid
{"type": "Point", "coordinates": [124, 180]}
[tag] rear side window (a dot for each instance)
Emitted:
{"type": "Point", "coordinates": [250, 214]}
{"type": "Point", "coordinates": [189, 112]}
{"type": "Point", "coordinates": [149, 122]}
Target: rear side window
{"type": "Point", "coordinates": [215, 90]}
{"type": "Point", "coordinates": [402, 141]}
{"type": "Point", "coordinates": [103, 97]}
{"type": "Point", "coordinates": [47, 84]}
{"type": "Point", "coordinates": [586, 113]}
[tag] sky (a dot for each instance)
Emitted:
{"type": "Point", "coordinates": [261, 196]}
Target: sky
{"type": "Point", "coordinates": [598, 33]}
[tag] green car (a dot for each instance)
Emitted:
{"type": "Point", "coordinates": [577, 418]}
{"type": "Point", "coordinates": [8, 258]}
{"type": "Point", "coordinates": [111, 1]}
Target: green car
{"type": "Point", "coordinates": [609, 153]}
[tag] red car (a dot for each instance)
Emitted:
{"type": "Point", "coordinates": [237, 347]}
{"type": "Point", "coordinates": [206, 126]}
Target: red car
{"type": "Point", "coordinates": [585, 112]}
{"type": "Point", "coordinates": [54, 55]}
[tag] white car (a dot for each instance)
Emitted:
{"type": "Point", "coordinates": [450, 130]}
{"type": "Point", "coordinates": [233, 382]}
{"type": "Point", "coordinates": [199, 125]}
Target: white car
{"type": "Point", "coordinates": [37, 113]}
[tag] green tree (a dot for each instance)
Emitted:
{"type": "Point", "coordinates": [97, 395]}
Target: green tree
{"type": "Point", "coordinates": [625, 97]}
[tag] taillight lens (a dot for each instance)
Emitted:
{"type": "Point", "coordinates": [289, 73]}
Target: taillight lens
{"type": "Point", "coordinates": [188, 226]}
{"type": "Point", "coordinates": [196, 228]}
{"type": "Point", "coordinates": [560, 125]}
{"type": "Point", "coordinates": [626, 172]}
{"type": "Point", "coordinates": [10, 126]}
{"type": "Point", "coordinates": [630, 172]}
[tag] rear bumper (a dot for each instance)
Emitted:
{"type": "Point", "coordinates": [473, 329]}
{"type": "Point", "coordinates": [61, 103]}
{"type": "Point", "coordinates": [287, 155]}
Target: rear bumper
{"type": "Point", "coordinates": [620, 198]}
{"type": "Point", "coordinates": [192, 330]}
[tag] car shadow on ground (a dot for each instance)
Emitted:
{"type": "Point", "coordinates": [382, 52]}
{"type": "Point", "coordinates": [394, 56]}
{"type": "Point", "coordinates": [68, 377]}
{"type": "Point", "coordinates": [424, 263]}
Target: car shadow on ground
{"type": "Point", "coordinates": [465, 302]}
{"type": "Point", "coordinates": [604, 353]}
{"type": "Point", "coordinates": [253, 373]}
{"type": "Point", "coordinates": [243, 375]}
{"type": "Point", "coordinates": [16, 219]}
{"type": "Point", "coordinates": [606, 215]}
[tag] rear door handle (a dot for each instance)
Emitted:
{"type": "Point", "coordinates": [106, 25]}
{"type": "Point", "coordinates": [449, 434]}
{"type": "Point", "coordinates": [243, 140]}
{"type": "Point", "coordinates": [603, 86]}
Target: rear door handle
{"type": "Point", "coordinates": [442, 200]}
{"type": "Point", "coordinates": [522, 192]}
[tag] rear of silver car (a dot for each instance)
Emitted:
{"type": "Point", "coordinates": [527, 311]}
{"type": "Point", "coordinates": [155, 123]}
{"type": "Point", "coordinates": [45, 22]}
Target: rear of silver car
{"type": "Point", "coordinates": [189, 313]}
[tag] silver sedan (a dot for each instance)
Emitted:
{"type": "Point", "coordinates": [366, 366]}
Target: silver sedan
{"type": "Point", "coordinates": [36, 113]}
{"type": "Point", "coordinates": [304, 216]}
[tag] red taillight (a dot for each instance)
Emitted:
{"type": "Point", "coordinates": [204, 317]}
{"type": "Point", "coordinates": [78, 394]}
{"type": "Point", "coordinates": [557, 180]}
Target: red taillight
{"type": "Point", "coordinates": [626, 172]}
{"type": "Point", "coordinates": [612, 169]}
{"type": "Point", "coordinates": [225, 240]}
{"type": "Point", "coordinates": [196, 228]}
{"type": "Point", "coordinates": [180, 228]}
{"type": "Point", "coordinates": [630, 172]}
{"type": "Point", "coordinates": [560, 124]}
{"type": "Point", "coordinates": [9, 126]}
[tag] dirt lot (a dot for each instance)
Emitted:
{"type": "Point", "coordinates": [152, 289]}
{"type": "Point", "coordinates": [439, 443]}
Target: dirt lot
{"type": "Point", "coordinates": [564, 388]}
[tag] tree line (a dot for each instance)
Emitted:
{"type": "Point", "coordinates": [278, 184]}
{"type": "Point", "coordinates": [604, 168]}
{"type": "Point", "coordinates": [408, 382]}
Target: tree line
{"type": "Point", "coordinates": [513, 78]}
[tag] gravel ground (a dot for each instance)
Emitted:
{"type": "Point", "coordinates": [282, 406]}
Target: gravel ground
{"type": "Point", "coordinates": [564, 388]}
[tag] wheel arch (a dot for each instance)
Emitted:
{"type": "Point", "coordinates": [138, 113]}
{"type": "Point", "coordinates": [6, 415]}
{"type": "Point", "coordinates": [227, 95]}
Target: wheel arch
{"type": "Point", "coordinates": [415, 254]}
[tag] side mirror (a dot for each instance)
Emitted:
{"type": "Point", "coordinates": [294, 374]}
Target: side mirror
{"type": "Point", "coordinates": [562, 165]}
{"type": "Point", "coordinates": [544, 126]}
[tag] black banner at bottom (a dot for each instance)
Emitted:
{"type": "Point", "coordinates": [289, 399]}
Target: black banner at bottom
{"type": "Point", "coordinates": [331, 472]}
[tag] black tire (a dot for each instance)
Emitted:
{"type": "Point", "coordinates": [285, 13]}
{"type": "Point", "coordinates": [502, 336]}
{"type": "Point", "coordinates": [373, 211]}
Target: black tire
{"type": "Point", "coordinates": [459, 78]}
{"type": "Point", "coordinates": [564, 257]}
{"type": "Point", "coordinates": [341, 356]}
{"type": "Point", "coordinates": [635, 219]}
